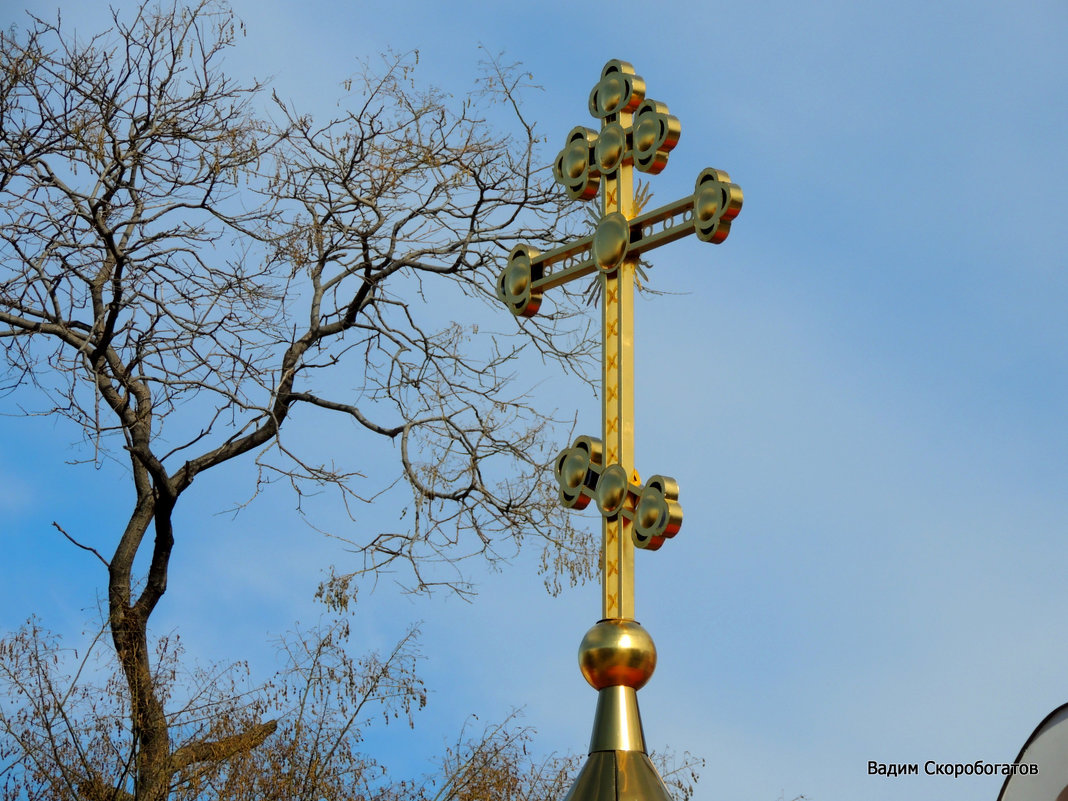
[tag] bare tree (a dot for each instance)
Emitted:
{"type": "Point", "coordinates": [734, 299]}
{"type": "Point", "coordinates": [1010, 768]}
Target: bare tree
{"type": "Point", "coordinates": [69, 727]}
{"type": "Point", "coordinates": [181, 271]}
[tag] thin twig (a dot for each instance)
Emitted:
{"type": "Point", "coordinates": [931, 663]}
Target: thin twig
{"type": "Point", "coordinates": [92, 550]}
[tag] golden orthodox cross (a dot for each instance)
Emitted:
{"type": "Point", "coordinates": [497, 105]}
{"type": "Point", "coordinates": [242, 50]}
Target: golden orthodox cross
{"type": "Point", "coordinates": [635, 133]}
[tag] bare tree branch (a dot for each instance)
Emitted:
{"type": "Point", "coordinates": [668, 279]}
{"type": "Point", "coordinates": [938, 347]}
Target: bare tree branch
{"type": "Point", "coordinates": [184, 270]}
{"type": "Point", "coordinates": [73, 541]}
{"type": "Point", "coordinates": [223, 749]}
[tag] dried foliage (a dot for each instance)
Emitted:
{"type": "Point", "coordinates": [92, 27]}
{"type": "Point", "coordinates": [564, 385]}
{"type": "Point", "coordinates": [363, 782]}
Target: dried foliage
{"type": "Point", "coordinates": [65, 732]}
{"type": "Point", "coordinates": [187, 265]}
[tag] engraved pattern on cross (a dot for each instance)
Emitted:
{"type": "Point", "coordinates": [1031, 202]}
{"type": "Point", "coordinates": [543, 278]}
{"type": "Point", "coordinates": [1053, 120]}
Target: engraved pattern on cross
{"type": "Point", "coordinates": [635, 133]}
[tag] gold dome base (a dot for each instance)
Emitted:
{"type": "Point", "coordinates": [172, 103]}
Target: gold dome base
{"type": "Point", "coordinates": [618, 776]}
{"type": "Point", "coordinates": [618, 768]}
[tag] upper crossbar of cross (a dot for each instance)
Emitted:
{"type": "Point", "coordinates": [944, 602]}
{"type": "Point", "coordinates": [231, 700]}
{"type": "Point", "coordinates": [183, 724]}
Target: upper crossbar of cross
{"type": "Point", "coordinates": [636, 133]}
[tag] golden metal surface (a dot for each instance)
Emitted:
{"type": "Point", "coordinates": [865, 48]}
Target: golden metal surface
{"type": "Point", "coordinates": [612, 490]}
{"type": "Point", "coordinates": [707, 213]}
{"type": "Point", "coordinates": [653, 509]}
{"type": "Point", "coordinates": [617, 766]}
{"type": "Point", "coordinates": [657, 515]}
{"type": "Point", "coordinates": [516, 286]}
{"type": "Point", "coordinates": [574, 168]}
{"type": "Point", "coordinates": [597, 779]}
{"type": "Point", "coordinates": [637, 778]}
{"type": "Point", "coordinates": [617, 656]}
{"type": "Point", "coordinates": [617, 653]}
{"type": "Point", "coordinates": [610, 241]}
{"type": "Point", "coordinates": [656, 132]}
{"type": "Point", "coordinates": [617, 374]}
{"type": "Point", "coordinates": [618, 92]}
{"type": "Point", "coordinates": [610, 148]}
{"type": "Point", "coordinates": [618, 776]}
{"type": "Point", "coordinates": [636, 132]}
{"type": "Point", "coordinates": [617, 724]}
{"type": "Point", "coordinates": [716, 202]}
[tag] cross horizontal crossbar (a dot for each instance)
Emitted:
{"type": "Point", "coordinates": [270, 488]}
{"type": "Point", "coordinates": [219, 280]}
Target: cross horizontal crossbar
{"type": "Point", "coordinates": [653, 508]}
{"type": "Point", "coordinates": [707, 213]}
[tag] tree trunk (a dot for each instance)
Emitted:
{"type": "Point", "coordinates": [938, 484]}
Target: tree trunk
{"type": "Point", "coordinates": [129, 633]}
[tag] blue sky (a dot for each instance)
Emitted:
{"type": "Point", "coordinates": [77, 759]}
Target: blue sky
{"type": "Point", "coordinates": [862, 394]}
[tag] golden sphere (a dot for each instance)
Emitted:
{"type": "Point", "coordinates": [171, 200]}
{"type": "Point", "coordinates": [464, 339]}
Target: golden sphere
{"type": "Point", "coordinates": [647, 133]}
{"type": "Point", "coordinates": [516, 279]}
{"type": "Point", "coordinates": [611, 99]}
{"type": "Point", "coordinates": [709, 200]}
{"type": "Point", "coordinates": [574, 467]}
{"type": "Point", "coordinates": [575, 158]}
{"type": "Point", "coordinates": [612, 489]}
{"type": "Point", "coordinates": [651, 509]}
{"type": "Point", "coordinates": [610, 147]}
{"type": "Point", "coordinates": [610, 241]}
{"type": "Point", "coordinates": [617, 652]}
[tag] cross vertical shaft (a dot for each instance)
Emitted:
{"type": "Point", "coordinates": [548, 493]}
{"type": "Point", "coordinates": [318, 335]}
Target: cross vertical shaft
{"type": "Point", "coordinates": [617, 398]}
